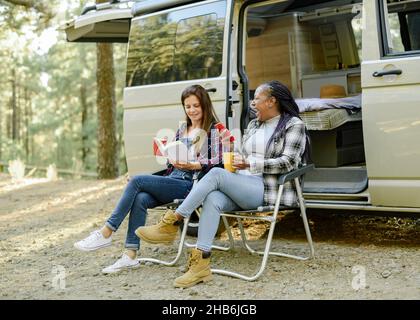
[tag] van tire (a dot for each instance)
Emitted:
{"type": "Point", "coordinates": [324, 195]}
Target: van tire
{"type": "Point", "coordinates": [192, 229]}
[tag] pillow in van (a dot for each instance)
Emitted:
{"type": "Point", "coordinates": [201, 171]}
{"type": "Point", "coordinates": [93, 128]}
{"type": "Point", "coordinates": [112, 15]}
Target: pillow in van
{"type": "Point", "coordinates": [315, 104]}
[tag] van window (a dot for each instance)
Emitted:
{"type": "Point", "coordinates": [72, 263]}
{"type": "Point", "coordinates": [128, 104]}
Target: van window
{"type": "Point", "coordinates": [402, 27]}
{"type": "Point", "coordinates": [184, 44]}
{"type": "Point", "coordinates": [357, 26]}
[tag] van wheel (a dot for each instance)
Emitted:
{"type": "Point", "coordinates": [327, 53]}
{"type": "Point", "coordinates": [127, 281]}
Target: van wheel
{"type": "Point", "coordinates": [192, 229]}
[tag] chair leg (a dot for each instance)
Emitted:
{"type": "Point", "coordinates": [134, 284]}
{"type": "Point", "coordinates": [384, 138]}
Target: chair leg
{"type": "Point", "coordinates": [229, 232]}
{"type": "Point", "coordinates": [306, 226]}
{"type": "Point", "coordinates": [221, 248]}
{"type": "Point", "coordinates": [266, 253]}
{"type": "Point", "coordinates": [244, 238]}
{"type": "Point", "coordinates": [180, 247]}
{"type": "Point", "coordinates": [304, 218]}
{"type": "Point", "coordinates": [263, 262]}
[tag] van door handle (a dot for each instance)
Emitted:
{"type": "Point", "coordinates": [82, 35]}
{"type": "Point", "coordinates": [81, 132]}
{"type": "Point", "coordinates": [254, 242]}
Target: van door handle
{"type": "Point", "coordinates": [235, 85]}
{"type": "Point", "coordinates": [385, 73]}
{"type": "Point", "coordinates": [211, 90]}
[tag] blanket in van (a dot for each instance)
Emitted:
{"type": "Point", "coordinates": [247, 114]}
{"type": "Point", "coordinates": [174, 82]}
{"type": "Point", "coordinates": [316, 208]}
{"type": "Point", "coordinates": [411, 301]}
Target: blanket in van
{"type": "Point", "coordinates": [329, 119]}
{"type": "Point", "coordinates": [316, 104]}
{"type": "Point", "coordinates": [327, 114]}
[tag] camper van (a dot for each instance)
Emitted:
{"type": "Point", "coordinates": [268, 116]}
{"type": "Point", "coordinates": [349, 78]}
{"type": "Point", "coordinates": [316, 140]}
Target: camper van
{"type": "Point", "coordinates": [365, 135]}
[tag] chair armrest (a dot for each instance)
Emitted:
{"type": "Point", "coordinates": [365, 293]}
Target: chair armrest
{"type": "Point", "coordinates": [159, 173]}
{"type": "Point", "coordinates": [295, 173]}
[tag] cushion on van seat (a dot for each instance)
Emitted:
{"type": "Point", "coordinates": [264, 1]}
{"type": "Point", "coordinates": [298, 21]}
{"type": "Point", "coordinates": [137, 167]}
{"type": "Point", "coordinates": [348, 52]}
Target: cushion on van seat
{"type": "Point", "coordinates": [317, 104]}
{"type": "Point", "coordinates": [329, 119]}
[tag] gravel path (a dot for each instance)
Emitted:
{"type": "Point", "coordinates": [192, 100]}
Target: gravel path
{"type": "Point", "coordinates": [356, 257]}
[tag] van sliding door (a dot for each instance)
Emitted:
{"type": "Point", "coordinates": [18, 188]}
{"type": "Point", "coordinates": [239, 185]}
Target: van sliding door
{"type": "Point", "coordinates": [391, 101]}
{"type": "Point", "coordinates": [168, 51]}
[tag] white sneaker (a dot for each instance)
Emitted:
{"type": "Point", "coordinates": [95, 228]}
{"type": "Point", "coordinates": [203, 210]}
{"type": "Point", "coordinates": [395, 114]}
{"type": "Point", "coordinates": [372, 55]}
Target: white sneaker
{"type": "Point", "coordinates": [93, 242]}
{"type": "Point", "coordinates": [125, 262]}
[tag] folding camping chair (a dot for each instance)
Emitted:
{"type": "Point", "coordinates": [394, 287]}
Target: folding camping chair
{"type": "Point", "coordinates": [271, 216]}
{"type": "Point", "coordinates": [183, 243]}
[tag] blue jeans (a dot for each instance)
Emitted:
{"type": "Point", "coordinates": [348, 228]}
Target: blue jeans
{"type": "Point", "coordinates": [221, 190]}
{"type": "Point", "coordinates": [141, 193]}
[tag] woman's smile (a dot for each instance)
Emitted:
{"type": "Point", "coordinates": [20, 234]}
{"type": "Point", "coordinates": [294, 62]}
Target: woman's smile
{"type": "Point", "coordinates": [193, 108]}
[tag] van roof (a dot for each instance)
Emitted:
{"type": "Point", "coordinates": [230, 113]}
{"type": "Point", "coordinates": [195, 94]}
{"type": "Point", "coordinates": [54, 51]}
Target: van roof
{"type": "Point", "coordinates": [149, 6]}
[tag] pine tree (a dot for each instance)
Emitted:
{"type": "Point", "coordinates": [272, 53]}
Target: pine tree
{"type": "Point", "coordinates": [106, 105]}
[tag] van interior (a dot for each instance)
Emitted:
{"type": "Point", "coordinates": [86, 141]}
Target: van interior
{"type": "Point", "coordinates": [313, 46]}
{"type": "Point", "coordinates": [308, 47]}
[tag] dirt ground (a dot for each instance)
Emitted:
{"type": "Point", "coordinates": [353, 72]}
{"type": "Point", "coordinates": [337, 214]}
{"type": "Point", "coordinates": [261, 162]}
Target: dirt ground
{"type": "Point", "coordinates": [357, 257]}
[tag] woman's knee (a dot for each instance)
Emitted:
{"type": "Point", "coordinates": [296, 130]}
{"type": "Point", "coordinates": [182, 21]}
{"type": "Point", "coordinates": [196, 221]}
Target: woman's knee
{"type": "Point", "coordinates": [215, 174]}
{"type": "Point", "coordinates": [214, 201]}
{"type": "Point", "coordinates": [140, 181]}
{"type": "Point", "coordinates": [142, 200]}
{"type": "Point", "coordinates": [217, 171]}
{"type": "Point", "coordinates": [137, 180]}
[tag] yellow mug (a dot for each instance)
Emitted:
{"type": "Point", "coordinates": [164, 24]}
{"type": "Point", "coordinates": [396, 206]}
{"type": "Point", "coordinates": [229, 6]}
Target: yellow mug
{"type": "Point", "coordinates": [228, 161]}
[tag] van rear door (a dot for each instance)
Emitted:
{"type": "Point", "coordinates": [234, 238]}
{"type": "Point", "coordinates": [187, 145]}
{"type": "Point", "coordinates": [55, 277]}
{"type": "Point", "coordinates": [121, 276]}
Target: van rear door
{"type": "Point", "coordinates": [391, 101]}
{"type": "Point", "coordinates": [100, 23]}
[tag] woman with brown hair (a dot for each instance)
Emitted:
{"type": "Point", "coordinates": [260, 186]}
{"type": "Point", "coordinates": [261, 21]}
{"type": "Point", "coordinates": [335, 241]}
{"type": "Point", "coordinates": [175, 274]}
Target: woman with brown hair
{"type": "Point", "coordinates": [149, 191]}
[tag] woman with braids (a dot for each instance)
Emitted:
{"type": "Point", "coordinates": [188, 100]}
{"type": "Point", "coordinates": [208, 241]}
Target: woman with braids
{"type": "Point", "coordinates": [274, 143]}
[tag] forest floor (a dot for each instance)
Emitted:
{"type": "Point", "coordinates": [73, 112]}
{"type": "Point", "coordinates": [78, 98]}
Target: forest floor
{"type": "Point", "coordinates": [357, 257]}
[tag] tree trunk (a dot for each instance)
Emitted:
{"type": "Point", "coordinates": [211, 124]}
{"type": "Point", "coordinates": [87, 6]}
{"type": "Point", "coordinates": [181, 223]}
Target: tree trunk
{"type": "Point", "coordinates": [9, 120]}
{"type": "Point", "coordinates": [1, 134]}
{"type": "Point", "coordinates": [84, 104]}
{"type": "Point", "coordinates": [14, 106]}
{"type": "Point", "coordinates": [107, 140]}
{"type": "Point", "coordinates": [28, 120]}
{"type": "Point", "coordinates": [18, 114]}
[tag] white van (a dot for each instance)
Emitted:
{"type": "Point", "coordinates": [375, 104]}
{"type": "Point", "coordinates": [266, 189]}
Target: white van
{"type": "Point", "coordinates": [367, 156]}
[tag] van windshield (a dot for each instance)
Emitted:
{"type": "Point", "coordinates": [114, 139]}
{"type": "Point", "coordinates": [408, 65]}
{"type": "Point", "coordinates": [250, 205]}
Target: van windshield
{"type": "Point", "coordinates": [183, 44]}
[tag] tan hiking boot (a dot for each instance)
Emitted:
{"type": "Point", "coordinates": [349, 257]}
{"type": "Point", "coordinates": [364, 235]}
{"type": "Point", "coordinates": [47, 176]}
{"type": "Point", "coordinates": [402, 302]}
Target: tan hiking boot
{"type": "Point", "coordinates": [163, 232]}
{"type": "Point", "coordinates": [198, 270]}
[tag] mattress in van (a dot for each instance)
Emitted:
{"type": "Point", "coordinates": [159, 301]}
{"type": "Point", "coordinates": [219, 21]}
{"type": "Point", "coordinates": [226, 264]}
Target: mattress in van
{"type": "Point", "coordinates": [329, 119]}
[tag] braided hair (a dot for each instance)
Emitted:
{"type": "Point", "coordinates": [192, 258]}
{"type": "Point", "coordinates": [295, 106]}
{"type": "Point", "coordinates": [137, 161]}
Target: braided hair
{"type": "Point", "coordinates": [288, 109]}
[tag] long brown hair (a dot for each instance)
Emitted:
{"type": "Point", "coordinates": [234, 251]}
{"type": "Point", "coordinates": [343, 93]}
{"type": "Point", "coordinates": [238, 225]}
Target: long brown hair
{"type": "Point", "coordinates": [209, 115]}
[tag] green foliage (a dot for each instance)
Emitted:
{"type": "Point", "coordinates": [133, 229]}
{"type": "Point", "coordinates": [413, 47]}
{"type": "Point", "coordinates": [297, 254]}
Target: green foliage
{"type": "Point", "coordinates": [18, 14]}
{"type": "Point", "coordinates": [41, 90]}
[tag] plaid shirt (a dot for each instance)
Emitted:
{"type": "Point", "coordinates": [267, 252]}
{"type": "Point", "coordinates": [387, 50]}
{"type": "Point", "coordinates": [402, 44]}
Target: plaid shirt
{"type": "Point", "coordinates": [210, 155]}
{"type": "Point", "coordinates": [283, 155]}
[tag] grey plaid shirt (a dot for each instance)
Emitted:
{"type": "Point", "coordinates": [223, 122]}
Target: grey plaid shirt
{"type": "Point", "coordinates": [283, 155]}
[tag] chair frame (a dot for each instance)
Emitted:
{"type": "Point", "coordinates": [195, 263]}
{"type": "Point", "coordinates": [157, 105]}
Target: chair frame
{"type": "Point", "coordinates": [250, 214]}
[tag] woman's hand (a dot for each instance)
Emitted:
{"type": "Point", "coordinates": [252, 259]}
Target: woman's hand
{"type": "Point", "coordinates": [187, 165]}
{"type": "Point", "coordinates": [239, 162]}
{"type": "Point", "coordinates": [225, 136]}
